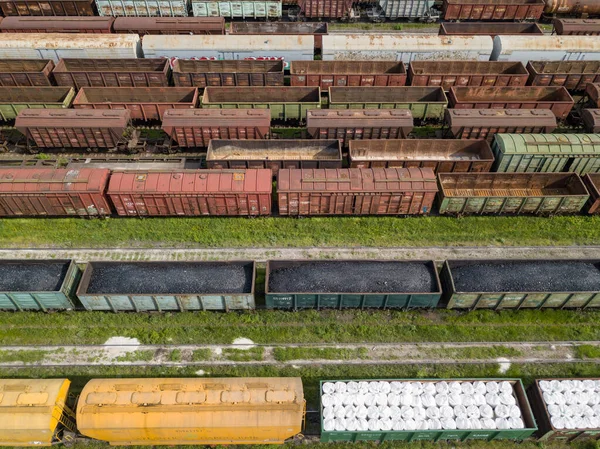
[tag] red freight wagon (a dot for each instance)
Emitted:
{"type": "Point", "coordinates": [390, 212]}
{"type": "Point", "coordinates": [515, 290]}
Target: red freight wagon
{"type": "Point", "coordinates": [24, 24]}
{"type": "Point", "coordinates": [493, 9]}
{"type": "Point", "coordinates": [47, 7]}
{"type": "Point", "coordinates": [53, 193]}
{"type": "Point", "coordinates": [170, 25]}
{"type": "Point", "coordinates": [191, 192]}
{"type": "Point", "coordinates": [356, 191]}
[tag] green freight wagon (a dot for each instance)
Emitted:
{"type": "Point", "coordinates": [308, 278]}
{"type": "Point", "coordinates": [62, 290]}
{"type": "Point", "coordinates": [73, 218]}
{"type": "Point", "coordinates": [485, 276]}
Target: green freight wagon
{"type": "Point", "coordinates": [520, 284]}
{"type": "Point", "coordinates": [511, 193]}
{"type": "Point", "coordinates": [351, 284]}
{"type": "Point", "coordinates": [576, 153]}
{"type": "Point", "coordinates": [38, 284]}
{"type": "Point", "coordinates": [285, 103]}
{"type": "Point", "coordinates": [15, 99]}
{"type": "Point", "coordinates": [518, 392]}
{"type": "Point", "coordinates": [425, 103]}
{"type": "Point", "coordinates": [243, 9]}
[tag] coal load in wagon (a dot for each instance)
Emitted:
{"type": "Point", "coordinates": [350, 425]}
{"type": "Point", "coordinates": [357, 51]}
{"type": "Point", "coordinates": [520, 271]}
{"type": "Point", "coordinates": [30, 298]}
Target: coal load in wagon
{"type": "Point", "coordinates": [166, 278]}
{"type": "Point", "coordinates": [346, 277]}
{"type": "Point", "coordinates": [527, 276]}
{"type": "Point", "coordinates": [32, 277]}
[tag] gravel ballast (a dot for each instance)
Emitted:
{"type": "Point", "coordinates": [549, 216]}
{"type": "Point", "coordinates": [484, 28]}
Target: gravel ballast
{"type": "Point", "coordinates": [353, 277]}
{"type": "Point", "coordinates": [174, 278]}
{"type": "Point", "coordinates": [32, 277]}
{"type": "Point", "coordinates": [527, 276]}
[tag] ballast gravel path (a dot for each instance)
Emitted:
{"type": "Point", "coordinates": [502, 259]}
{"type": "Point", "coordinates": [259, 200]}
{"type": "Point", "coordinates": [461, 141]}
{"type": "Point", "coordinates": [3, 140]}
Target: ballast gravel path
{"type": "Point", "coordinates": [32, 277]}
{"type": "Point", "coordinates": [349, 277]}
{"type": "Point", "coordinates": [159, 278]}
{"type": "Point", "coordinates": [527, 276]}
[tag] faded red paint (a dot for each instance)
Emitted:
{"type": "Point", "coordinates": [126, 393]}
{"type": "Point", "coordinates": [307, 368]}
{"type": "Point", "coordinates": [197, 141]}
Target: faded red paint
{"type": "Point", "coordinates": [47, 7]}
{"type": "Point", "coordinates": [592, 183]}
{"type": "Point", "coordinates": [327, 74]}
{"type": "Point", "coordinates": [170, 25]}
{"type": "Point", "coordinates": [493, 9]}
{"type": "Point", "coordinates": [94, 25]}
{"type": "Point", "coordinates": [50, 192]}
{"type": "Point", "coordinates": [191, 192]}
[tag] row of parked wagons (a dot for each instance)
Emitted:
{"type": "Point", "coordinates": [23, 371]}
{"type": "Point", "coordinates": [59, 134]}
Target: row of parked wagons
{"type": "Point", "coordinates": [260, 410]}
{"type": "Point", "coordinates": [46, 285]}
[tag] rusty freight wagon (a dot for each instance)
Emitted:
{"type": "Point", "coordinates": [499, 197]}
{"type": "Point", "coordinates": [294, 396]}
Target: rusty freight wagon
{"type": "Point", "coordinates": [326, 9]}
{"type": "Point", "coordinates": [327, 74]}
{"type": "Point", "coordinates": [192, 73]}
{"type": "Point", "coordinates": [520, 284]}
{"type": "Point", "coordinates": [47, 7]}
{"type": "Point", "coordinates": [356, 191]}
{"type": "Point", "coordinates": [145, 103]}
{"type": "Point", "coordinates": [26, 72]}
{"type": "Point", "coordinates": [578, 27]}
{"type": "Point", "coordinates": [511, 193]}
{"type": "Point", "coordinates": [446, 74]}
{"type": "Point", "coordinates": [31, 192]}
{"type": "Point", "coordinates": [196, 127]}
{"type": "Point", "coordinates": [80, 73]}
{"type": "Point", "coordinates": [15, 99]}
{"type": "Point", "coordinates": [557, 99]}
{"type": "Point", "coordinates": [574, 75]}
{"type": "Point", "coordinates": [349, 124]}
{"type": "Point", "coordinates": [493, 9]}
{"type": "Point", "coordinates": [350, 284]}
{"type": "Point", "coordinates": [425, 103]}
{"type": "Point", "coordinates": [167, 286]}
{"type": "Point", "coordinates": [169, 25]}
{"type": "Point", "coordinates": [143, 8]}
{"type": "Point", "coordinates": [489, 29]}
{"type": "Point", "coordinates": [592, 92]}
{"type": "Point", "coordinates": [74, 128]}
{"type": "Point", "coordinates": [592, 182]}
{"type": "Point", "coordinates": [485, 123]}
{"type": "Point", "coordinates": [285, 103]}
{"type": "Point", "coordinates": [316, 29]}
{"type": "Point", "coordinates": [94, 25]}
{"type": "Point", "coordinates": [441, 155]}
{"type": "Point", "coordinates": [274, 154]}
{"type": "Point", "coordinates": [191, 193]}
{"type": "Point", "coordinates": [591, 120]}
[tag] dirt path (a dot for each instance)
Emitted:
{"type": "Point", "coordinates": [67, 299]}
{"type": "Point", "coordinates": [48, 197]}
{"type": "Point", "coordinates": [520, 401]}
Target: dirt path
{"type": "Point", "coordinates": [263, 254]}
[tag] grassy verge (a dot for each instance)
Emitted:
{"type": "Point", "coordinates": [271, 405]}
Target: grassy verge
{"type": "Point", "coordinates": [272, 327]}
{"type": "Point", "coordinates": [587, 352]}
{"type": "Point", "coordinates": [244, 355]}
{"type": "Point", "coordinates": [287, 354]}
{"type": "Point", "coordinates": [22, 356]}
{"type": "Point", "coordinates": [474, 353]}
{"type": "Point", "coordinates": [279, 231]}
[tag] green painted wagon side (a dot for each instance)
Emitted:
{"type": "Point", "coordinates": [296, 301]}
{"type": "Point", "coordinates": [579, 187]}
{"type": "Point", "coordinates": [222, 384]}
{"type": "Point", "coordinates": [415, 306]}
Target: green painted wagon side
{"type": "Point", "coordinates": [62, 298]}
{"type": "Point", "coordinates": [510, 300]}
{"type": "Point", "coordinates": [15, 99]}
{"type": "Point", "coordinates": [425, 103]}
{"type": "Point", "coordinates": [577, 153]}
{"type": "Point", "coordinates": [438, 435]}
{"type": "Point", "coordinates": [285, 103]}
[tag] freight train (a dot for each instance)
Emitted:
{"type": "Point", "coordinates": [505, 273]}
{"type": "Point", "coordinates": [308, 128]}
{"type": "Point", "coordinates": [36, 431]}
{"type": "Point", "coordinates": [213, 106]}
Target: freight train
{"type": "Point", "coordinates": [269, 410]}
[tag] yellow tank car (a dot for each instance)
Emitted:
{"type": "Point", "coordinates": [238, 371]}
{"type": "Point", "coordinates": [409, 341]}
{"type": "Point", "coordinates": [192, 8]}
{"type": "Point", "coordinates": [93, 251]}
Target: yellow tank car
{"type": "Point", "coordinates": [192, 411]}
{"type": "Point", "coordinates": [33, 411]}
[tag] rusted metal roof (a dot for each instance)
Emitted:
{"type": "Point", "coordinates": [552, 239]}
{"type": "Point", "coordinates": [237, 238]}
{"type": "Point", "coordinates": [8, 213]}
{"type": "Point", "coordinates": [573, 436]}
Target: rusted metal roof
{"type": "Point", "coordinates": [275, 150]}
{"type": "Point", "coordinates": [73, 118]}
{"type": "Point", "coordinates": [229, 42]}
{"type": "Point", "coordinates": [216, 117]}
{"type": "Point", "coordinates": [31, 180]}
{"type": "Point", "coordinates": [500, 117]}
{"type": "Point", "coordinates": [58, 24]}
{"type": "Point", "coordinates": [582, 27]}
{"type": "Point", "coordinates": [170, 25]}
{"type": "Point", "coordinates": [53, 41]}
{"type": "Point", "coordinates": [317, 118]}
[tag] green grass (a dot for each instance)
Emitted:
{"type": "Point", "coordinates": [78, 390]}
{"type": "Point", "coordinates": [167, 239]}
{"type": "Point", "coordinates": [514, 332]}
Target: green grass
{"type": "Point", "coordinates": [244, 355]}
{"type": "Point", "coordinates": [137, 356]}
{"type": "Point", "coordinates": [292, 232]}
{"type": "Point", "coordinates": [587, 352]}
{"type": "Point", "coordinates": [272, 327]}
{"type": "Point", "coordinates": [33, 356]}
{"type": "Point", "coordinates": [474, 352]}
{"type": "Point", "coordinates": [286, 354]}
{"type": "Point", "coordinates": [175, 355]}
{"type": "Point", "coordinates": [199, 355]}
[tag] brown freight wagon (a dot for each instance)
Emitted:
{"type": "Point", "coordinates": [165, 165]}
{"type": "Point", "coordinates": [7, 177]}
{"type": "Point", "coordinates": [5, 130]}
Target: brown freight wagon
{"type": "Point", "coordinates": [493, 9]}
{"type": "Point", "coordinates": [74, 128]}
{"type": "Point", "coordinates": [196, 127]}
{"type": "Point", "coordinates": [80, 73]}
{"type": "Point", "coordinates": [467, 73]}
{"type": "Point", "coordinates": [592, 91]}
{"type": "Point", "coordinates": [328, 9]}
{"type": "Point", "coordinates": [557, 99]}
{"type": "Point", "coordinates": [489, 29]}
{"type": "Point", "coordinates": [145, 103]}
{"type": "Point", "coordinates": [192, 73]}
{"type": "Point", "coordinates": [576, 27]}
{"type": "Point", "coordinates": [591, 120]}
{"type": "Point", "coordinates": [485, 123]}
{"type": "Point", "coordinates": [94, 25]}
{"type": "Point", "coordinates": [47, 7]}
{"type": "Point", "coordinates": [349, 124]}
{"type": "Point", "coordinates": [274, 154]}
{"type": "Point", "coordinates": [592, 183]}
{"type": "Point", "coordinates": [31, 192]}
{"type": "Point", "coordinates": [356, 191]}
{"type": "Point", "coordinates": [316, 29]}
{"type": "Point", "coordinates": [347, 73]}
{"type": "Point", "coordinates": [191, 192]}
{"type": "Point", "coordinates": [26, 72]}
{"type": "Point", "coordinates": [170, 25]}
{"type": "Point", "coordinates": [573, 75]}
{"type": "Point", "coordinates": [441, 155]}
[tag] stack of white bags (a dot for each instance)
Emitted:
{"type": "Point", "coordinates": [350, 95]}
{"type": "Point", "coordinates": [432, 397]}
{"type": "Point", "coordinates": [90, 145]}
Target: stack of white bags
{"type": "Point", "coordinates": [572, 404]}
{"type": "Point", "coordinates": [397, 406]}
